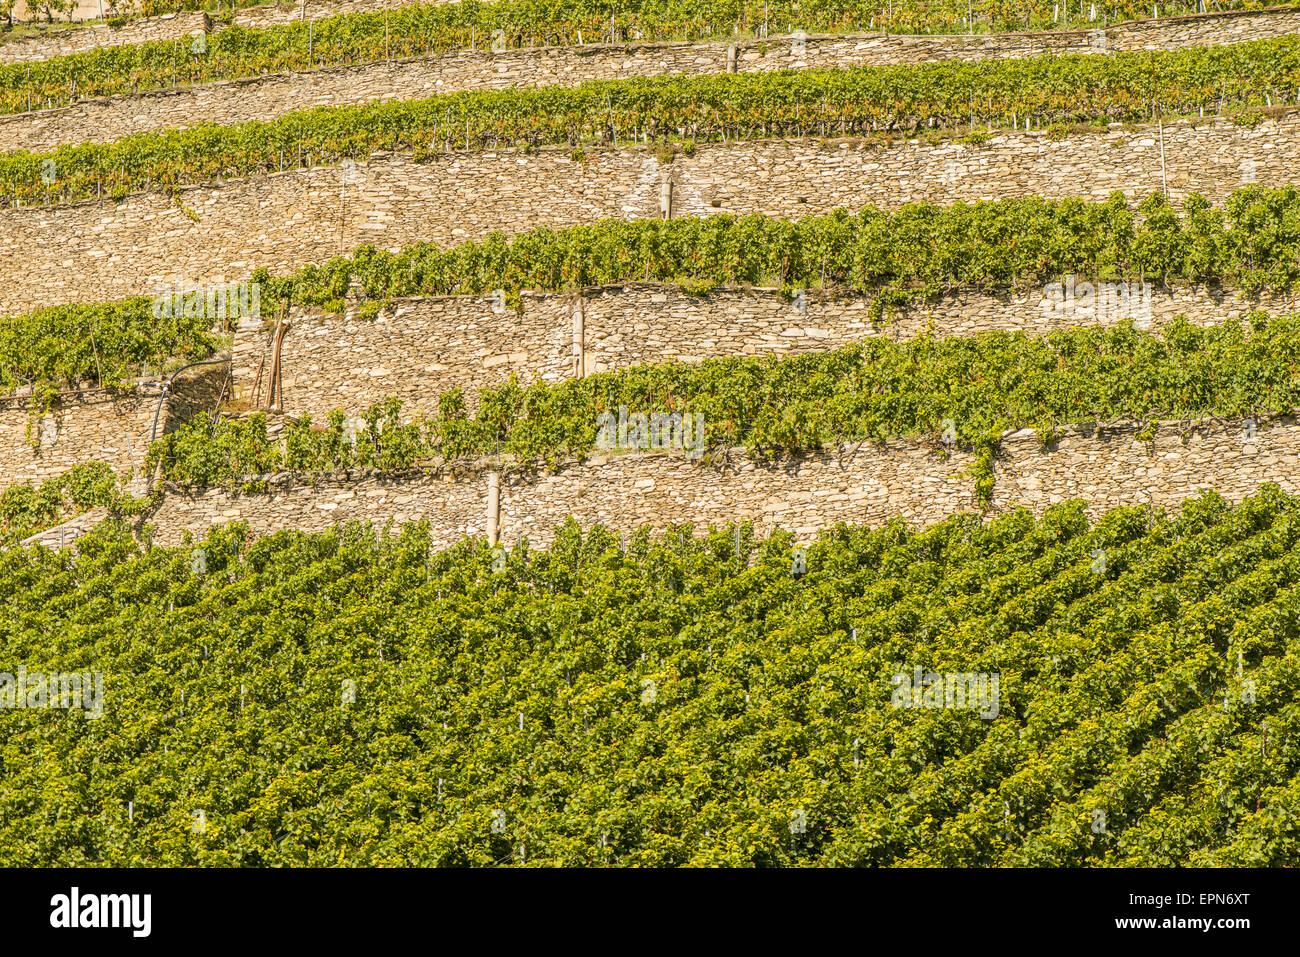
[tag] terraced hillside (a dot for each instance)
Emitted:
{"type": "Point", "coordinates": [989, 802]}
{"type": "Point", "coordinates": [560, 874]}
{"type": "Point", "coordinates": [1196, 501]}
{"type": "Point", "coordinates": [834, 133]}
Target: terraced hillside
{"type": "Point", "coordinates": [238, 75]}
{"type": "Point", "coordinates": [704, 434]}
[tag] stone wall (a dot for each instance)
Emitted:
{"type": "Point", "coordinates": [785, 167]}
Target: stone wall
{"type": "Point", "coordinates": [1231, 26]}
{"type": "Point", "coordinates": [65, 534]}
{"type": "Point", "coordinates": [104, 250]}
{"type": "Point", "coordinates": [95, 425]}
{"type": "Point", "coordinates": [259, 98]}
{"type": "Point", "coordinates": [91, 426]}
{"type": "Point", "coordinates": [201, 389]}
{"type": "Point", "coordinates": [424, 347]}
{"type": "Point", "coordinates": [644, 323]}
{"type": "Point", "coordinates": [171, 26]}
{"type": "Point", "coordinates": [863, 484]}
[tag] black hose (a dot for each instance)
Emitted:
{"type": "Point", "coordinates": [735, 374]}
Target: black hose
{"type": "Point", "coordinates": [167, 388]}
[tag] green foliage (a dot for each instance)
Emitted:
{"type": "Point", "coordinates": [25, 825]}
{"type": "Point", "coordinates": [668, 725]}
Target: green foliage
{"type": "Point", "coordinates": [873, 390]}
{"type": "Point", "coordinates": [108, 344]}
{"type": "Point", "coordinates": [677, 702]}
{"type": "Point", "coordinates": [26, 510]}
{"type": "Point", "coordinates": [199, 453]}
{"type": "Point", "coordinates": [1125, 86]}
{"type": "Point", "coordinates": [419, 30]}
{"type": "Point", "coordinates": [1249, 118]}
{"type": "Point", "coordinates": [1252, 241]}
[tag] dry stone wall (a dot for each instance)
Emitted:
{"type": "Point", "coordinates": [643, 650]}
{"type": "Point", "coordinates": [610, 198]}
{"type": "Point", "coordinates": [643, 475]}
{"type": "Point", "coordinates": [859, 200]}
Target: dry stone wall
{"type": "Point", "coordinates": [625, 326]}
{"type": "Point", "coordinates": [1112, 467]}
{"type": "Point", "coordinates": [80, 39]}
{"type": "Point", "coordinates": [97, 425]}
{"type": "Point", "coordinates": [424, 347]}
{"type": "Point", "coordinates": [861, 484]}
{"type": "Point", "coordinates": [92, 426]}
{"type": "Point", "coordinates": [65, 534]}
{"type": "Point", "coordinates": [104, 250]}
{"type": "Point", "coordinates": [1232, 26]}
{"type": "Point", "coordinates": [259, 98]}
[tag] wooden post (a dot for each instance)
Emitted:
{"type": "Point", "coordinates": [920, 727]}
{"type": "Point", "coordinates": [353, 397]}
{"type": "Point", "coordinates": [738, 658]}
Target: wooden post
{"type": "Point", "coordinates": [493, 506]}
{"type": "Point", "coordinates": [579, 340]}
{"type": "Point", "coordinates": [1164, 183]}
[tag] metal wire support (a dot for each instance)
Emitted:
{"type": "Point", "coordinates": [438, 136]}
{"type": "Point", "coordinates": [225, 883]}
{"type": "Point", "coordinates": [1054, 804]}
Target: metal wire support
{"type": "Point", "coordinates": [166, 389]}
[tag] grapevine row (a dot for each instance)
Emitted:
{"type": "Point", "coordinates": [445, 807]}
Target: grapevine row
{"type": "Point", "coordinates": [1251, 242]}
{"type": "Point", "coordinates": [523, 691]}
{"type": "Point", "coordinates": [420, 30]}
{"type": "Point", "coordinates": [1125, 87]}
{"type": "Point", "coordinates": [973, 388]}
